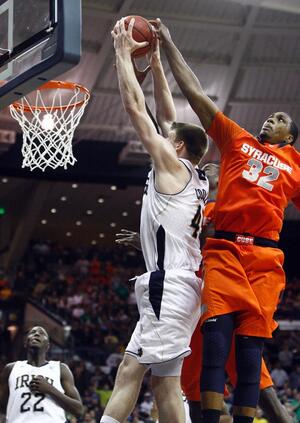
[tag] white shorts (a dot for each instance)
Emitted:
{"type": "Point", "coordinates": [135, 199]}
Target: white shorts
{"type": "Point", "coordinates": [169, 307]}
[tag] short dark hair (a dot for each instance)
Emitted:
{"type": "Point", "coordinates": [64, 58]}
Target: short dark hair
{"type": "Point", "coordinates": [294, 131]}
{"type": "Point", "coordinates": [194, 137]}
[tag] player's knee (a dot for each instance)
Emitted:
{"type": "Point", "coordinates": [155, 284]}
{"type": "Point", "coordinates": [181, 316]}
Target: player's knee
{"type": "Point", "coordinates": [125, 370]}
{"type": "Point", "coordinates": [214, 350]}
{"type": "Point", "coordinates": [217, 340]}
{"type": "Point", "coordinates": [248, 359]}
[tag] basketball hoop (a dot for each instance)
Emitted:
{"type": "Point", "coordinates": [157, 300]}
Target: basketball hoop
{"type": "Point", "coordinates": [48, 118]}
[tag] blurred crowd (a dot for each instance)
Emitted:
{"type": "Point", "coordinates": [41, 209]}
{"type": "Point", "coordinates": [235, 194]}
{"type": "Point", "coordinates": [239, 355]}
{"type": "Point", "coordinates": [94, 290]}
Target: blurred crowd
{"type": "Point", "coordinates": [92, 290]}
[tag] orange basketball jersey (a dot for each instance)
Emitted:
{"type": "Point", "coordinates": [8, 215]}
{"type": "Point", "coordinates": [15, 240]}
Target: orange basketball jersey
{"type": "Point", "coordinates": [256, 181]}
{"type": "Point", "coordinates": [209, 212]}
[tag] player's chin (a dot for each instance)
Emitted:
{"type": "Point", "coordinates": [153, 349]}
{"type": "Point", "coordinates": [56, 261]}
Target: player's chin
{"type": "Point", "coordinates": [264, 133]}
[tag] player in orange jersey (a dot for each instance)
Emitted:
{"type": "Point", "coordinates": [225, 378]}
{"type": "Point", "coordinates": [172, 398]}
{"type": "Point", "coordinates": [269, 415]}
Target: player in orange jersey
{"type": "Point", "coordinates": [243, 273]}
{"type": "Point", "coordinates": [192, 365]}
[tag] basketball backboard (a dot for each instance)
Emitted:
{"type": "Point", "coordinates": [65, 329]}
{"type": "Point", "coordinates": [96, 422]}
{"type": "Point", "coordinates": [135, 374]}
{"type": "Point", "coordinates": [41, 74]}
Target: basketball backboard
{"type": "Point", "coordinates": [39, 40]}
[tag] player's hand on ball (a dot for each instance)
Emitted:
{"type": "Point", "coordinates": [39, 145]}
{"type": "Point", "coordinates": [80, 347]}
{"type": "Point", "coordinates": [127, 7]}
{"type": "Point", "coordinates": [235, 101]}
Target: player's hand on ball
{"type": "Point", "coordinates": [127, 237]}
{"type": "Point", "coordinates": [123, 39]}
{"type": "Point", "coordinates": [40, 385]}
{"type": "Point", "coordinates": [161, 30]}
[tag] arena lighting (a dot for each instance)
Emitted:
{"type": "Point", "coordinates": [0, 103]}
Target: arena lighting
{"type": "Point", "coordinates": [124, 214]}
{"type": "Point", "coordinates": [63, 198]}
{"type": "Point", "coordinates": [74, 186]}
{"type": "Point", "coordinates": [4, 180]}
{"type": "Point", "coordinates": [100, 200]}
{"type": "Point", "coordinates": [113, 188]}
{"type": "Point", "coordinates": [68, 233]}
{"type": "Point", "coordinates": [78, 223]}
{"type": "Point", "coordinates": [101, 235]}
{"type": "Point", "coordinates": [138, 202]}
{"type": "Point", "coordinates": [53, 211]}
{"type": "Point", "coordinates": [2, 211]}
{"type": "Point", "coordinates": [89, 212]}
{"type": "Point", "coordinates": [113, 224]}
{"type": "Point", "coordinates": [43, 221]}
{"type": "Point", "coordinates": [94, 242]}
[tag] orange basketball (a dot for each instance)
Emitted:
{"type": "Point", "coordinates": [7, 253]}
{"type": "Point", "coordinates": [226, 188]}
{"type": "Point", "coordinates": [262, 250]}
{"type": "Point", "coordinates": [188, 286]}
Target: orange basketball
{"type": "Point", "coordinates": [141, 31]}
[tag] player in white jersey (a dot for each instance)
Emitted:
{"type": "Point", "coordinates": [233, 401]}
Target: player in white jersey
{"type": "Point", "coordinates": [36, 390]}
{"type": "Point", "coordinates": [168, 294]}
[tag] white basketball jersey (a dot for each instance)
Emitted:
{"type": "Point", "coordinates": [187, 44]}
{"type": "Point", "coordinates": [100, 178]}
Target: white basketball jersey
{"type": "Point", "coordinates": [27, 407]}
{"type": "Point", "coordinates": [170, 224]}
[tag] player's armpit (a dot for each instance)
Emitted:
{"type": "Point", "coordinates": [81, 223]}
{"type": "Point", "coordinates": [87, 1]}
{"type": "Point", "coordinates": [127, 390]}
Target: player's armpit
{"type": "Point", "coordinates": [160, 149]}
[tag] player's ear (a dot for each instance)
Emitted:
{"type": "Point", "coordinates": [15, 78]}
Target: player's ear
{"type": "Point", "coordinates": [179, 145]}
{"type": "Point", "coordinates": [289, 138]}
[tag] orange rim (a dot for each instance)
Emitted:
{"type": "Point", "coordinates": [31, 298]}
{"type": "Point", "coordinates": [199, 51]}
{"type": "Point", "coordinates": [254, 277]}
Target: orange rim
{"type": "Point", "coordinates": [50, 85]}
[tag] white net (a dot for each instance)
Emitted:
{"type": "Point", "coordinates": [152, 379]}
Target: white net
{"type": "Point", "coordinates": [48, 122]}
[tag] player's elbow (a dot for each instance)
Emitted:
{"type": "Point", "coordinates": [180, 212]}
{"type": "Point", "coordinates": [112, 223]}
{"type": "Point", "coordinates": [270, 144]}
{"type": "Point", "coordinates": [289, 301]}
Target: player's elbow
{"type": "Point", "coordinates": [78, 409]}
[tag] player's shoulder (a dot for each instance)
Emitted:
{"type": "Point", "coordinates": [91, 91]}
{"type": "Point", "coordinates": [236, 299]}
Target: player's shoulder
{"type": "Point", "coordinates": [290, 150]}
{"type": "Point", "coordinates": [64, 368]}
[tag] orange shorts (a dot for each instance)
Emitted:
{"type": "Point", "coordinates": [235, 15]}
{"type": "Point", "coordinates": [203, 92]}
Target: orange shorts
{"type": "Point", "coordinates": [192, 365]}
{"type": "Point", "coordinates": [244, 279]}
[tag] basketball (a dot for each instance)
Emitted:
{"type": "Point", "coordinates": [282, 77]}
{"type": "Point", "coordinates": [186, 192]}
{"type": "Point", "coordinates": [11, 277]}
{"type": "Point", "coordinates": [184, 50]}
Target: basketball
{"type": "Point", "coordinates": [142, 31]}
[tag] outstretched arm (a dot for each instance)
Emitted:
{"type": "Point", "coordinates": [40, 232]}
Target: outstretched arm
{"type": "Point", "coordinates": [162, 152]}
{"type": "Point", "coordinates": [165, 108]}
{"type": "Point", "coordinates": [189, 84]}
{"type": "Point", "coordinates": [131, 92]}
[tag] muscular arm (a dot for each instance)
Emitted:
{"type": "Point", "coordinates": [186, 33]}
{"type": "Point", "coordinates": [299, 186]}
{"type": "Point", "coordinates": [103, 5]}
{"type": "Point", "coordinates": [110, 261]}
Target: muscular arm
{"type": "Point", "coordinates": [189, 84]}
{"type": "Point", "coordinates": [134, 104]}
{"type": "Point", "coordinates": [165, 108]}
{"type": "Point", "coordinates": [70, 400]}
{"type": "Point", "coordinates": [171, 174]}
{"type": "Point", "coordinates": [4, 389]}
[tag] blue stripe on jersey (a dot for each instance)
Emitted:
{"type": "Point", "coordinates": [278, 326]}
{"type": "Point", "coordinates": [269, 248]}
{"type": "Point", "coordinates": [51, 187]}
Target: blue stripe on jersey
{"type": "Point", "coordinates": [156, 289]}
{"type": "Point", "coordinates": [161, 245]}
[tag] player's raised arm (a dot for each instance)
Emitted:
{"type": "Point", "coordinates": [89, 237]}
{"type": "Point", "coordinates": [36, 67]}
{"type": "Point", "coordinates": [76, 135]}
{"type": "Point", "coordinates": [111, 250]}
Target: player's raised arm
{"type": "Point", "coordinates": [189, 84]}
{"type": "Point", "coordinates": [165, 108]}
{"type": "Point", "coordinates": [163, 155]}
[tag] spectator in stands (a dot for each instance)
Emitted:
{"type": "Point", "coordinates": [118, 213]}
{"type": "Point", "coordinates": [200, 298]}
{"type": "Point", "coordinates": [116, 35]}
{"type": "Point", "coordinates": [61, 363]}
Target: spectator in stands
{"type": "Point", "coordinates": [285, 357]}
{"type": "Point", "coordinates": [295, 378]}
{"type": "Point", "coordinates": [279, 376]}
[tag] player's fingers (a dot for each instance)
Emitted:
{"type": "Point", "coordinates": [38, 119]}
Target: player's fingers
{"type": "Point", "coordinates": [117, 28]}
{"type": "Point", "coordinates": [143, 44]}
{"type": "Point", "coordinates": [154, 22]}
{"type": "Point", "coordinates": [122, 240]}
{"type": "Point", "coordinates": [122, 25]}
{"type": "Point", "coordinates": [126, 231]}
{"type": "Point", "coordinates": [130, 26]}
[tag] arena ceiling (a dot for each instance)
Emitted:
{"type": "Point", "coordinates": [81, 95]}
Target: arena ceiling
{"type": "Point", "coordinates": [246, 55]}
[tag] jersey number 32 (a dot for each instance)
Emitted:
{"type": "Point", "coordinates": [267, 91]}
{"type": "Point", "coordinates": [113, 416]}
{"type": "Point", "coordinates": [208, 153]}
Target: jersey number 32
{"type": "Point", "coordinates": [263, 176]}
